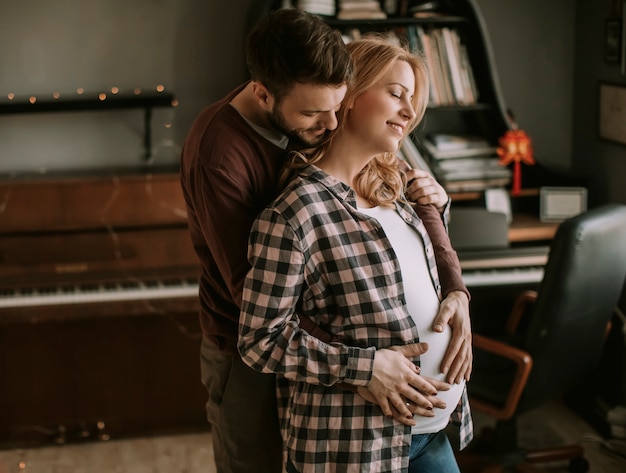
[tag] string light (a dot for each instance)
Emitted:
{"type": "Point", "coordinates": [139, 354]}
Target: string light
{"type": "Point", "coordinates": [54, 101]}
{"type": "Point", "coordinates": [102, 96]}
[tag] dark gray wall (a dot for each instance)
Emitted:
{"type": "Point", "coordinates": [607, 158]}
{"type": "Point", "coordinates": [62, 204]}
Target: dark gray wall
{"type": "Point", "coordinates": [532, 43]}
{"type": "Point", "coordinates": [604, 162]}
{"type": "Point", "coordinates": [193, 47]}
{"type": "Point", "coordinates": [548, 55]}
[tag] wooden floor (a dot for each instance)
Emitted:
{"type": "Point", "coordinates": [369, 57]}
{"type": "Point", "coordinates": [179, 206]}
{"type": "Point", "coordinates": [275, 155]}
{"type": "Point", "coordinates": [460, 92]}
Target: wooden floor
{"type": "Point", "coordinates": [192, 453]}
{"type": "Point", "coordinates": [555, 425]}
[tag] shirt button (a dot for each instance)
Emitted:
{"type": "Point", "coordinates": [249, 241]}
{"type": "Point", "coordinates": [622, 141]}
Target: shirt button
{"type": "Point", "coordinates": [408, 219]}
{"type": "Point", "coordinates": [429, 250]}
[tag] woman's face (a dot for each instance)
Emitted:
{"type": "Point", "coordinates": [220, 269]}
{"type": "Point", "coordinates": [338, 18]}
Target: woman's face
{"type": "Point", "coordinates": [380, 115]}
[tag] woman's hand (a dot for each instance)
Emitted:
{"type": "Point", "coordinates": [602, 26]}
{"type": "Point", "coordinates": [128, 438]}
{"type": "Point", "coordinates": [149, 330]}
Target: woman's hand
{"type": "Point", "coordinates": [457, 361]}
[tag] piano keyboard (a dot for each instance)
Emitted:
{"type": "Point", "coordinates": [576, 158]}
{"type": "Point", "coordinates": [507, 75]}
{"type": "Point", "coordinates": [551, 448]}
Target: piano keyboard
{"type": "Point", "coordinates": [503, 276]}
{"type": "Point", "coordinates": [504, 267]}
{"type": "Point", "coordinates": [99, 293]}
{"type": "Point", "coordinates": [480, 268]}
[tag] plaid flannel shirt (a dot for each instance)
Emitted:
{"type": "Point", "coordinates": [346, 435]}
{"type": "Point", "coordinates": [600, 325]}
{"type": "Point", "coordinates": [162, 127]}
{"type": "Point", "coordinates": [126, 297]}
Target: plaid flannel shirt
{"type": "Point", "coordinates": [314, 255]}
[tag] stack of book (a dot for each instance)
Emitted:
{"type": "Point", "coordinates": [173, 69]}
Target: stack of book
{"type": "Point", "coordinates": [463, 163]}
{"type": "Point", "coordinates": [409, 153]}
{"type": "Point", "coordinates": [451, 77]}
{"type": "Point", "coordinates": [360, 9]}
{"type": "Point", "coordinates": [318, 7]}
{"type": "Point", "coordinates": [616, 417]}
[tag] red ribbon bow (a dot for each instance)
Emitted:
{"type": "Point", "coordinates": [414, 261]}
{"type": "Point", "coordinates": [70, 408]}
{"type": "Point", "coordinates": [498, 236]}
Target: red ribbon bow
{"type": "Point", "coordinates": [516, 147]}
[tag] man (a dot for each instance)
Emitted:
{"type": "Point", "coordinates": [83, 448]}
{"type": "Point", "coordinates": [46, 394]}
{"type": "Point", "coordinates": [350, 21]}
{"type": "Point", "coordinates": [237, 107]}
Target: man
{"type": "Point", "coordinates": [230, 164]}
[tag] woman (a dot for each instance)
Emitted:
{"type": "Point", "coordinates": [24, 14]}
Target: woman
{"type": "Point", "coordinates": [343, 247]}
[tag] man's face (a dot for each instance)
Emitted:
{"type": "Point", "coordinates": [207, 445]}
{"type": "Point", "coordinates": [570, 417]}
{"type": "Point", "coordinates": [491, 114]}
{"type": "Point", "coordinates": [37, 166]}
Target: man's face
{"type": "Point", "coordinates": [308, 113]}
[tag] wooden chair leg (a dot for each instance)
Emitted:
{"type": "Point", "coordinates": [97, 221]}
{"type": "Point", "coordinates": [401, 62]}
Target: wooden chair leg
{"type": "Point", "coordinates": [565, 452]}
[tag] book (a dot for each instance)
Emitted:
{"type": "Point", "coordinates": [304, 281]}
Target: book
{"type": "Point", "coordinates": [468, 174]}
{"type": "Point", "coordinates": [459, 153]}
{"type": "Point", "coordinates": [413, 156]}
{"type": "Point", "coordinates": [360, 9]}
{"type": "Point", "coordinates": [484, 168]}
{"type": "Point", "coordinates": [447, 146]}
{"type": "Point", "coordinates": [467, 75]}
{"type": "Point", "coordinates": [472, 162]}
{"type": "Point", "coordinates": [424, 40]}
{"type": "Point", "coordinates": [454, 64]}
{"type": "Point", "coordinates": [445, 142]}
{"type": "Point", "coordinates": [318, 7]}
{"type": "Point", "coordinates": [443, 66]}
{"type": "Point", "coordinates": [473, 185]}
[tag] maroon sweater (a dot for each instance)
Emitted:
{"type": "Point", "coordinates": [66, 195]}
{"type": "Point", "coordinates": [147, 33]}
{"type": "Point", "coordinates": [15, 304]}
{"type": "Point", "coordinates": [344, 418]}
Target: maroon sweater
{"type": "Point", "coordinates": [228, 174]}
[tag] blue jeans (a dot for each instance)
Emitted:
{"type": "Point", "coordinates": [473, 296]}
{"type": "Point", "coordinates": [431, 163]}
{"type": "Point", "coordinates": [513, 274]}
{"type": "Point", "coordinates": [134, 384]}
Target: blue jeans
{"type": "Point", "coordinates": [430, 453]}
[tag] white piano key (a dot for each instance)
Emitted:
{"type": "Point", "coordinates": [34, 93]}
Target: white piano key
{"type": "Point", "coordinates": [99, 294]}
{"type": "Point", "coordinates": [503, 276]}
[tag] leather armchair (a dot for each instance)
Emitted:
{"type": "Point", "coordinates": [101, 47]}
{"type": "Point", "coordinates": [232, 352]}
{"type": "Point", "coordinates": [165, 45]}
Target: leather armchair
{"type": "Point", "coordinates": [553, 338]}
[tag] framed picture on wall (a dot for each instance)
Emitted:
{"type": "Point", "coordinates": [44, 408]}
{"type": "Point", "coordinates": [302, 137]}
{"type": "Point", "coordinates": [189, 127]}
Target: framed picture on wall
{"type": "Point", "coordinates": [613, 41]}
{"type": "Point", "coordinates": [623, 52]}
{"type": "Point", "coordinates": [612, 112]}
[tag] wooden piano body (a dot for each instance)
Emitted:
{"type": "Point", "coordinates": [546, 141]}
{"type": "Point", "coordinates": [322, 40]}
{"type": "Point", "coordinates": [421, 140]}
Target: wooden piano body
{"type": "Point", "coordinates": [99, 333]}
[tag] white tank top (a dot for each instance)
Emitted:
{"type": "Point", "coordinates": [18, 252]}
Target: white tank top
{"type": "Point", "coordinates": [423, 305]}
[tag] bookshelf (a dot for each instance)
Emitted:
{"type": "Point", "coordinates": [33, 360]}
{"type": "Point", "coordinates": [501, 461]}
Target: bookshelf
{"type": "Point", "coordinates": [465, 98]}
{"type": "Point", "coordinates": [481, 114]}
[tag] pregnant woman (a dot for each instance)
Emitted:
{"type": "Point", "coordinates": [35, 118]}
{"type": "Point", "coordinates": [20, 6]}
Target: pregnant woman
{"type": "Point", "coordinates": [343, 246]}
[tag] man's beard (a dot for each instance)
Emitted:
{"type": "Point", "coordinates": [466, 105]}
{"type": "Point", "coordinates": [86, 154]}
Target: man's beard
{"type": "Point", "coordinates": [296, 138]}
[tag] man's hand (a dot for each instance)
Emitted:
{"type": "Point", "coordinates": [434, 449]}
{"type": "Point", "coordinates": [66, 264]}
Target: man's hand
{"type": "Point", "coordinates": [422, 188]}
{"type": "Point", "coordinates": [396, 384]}
{"type": "Point", "coordinates": [454, 311]}
{"type": "Point", "coordinates": [415, 409]}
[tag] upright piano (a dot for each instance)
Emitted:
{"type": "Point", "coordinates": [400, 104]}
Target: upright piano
{"type": "Point", "coordinates": [99, 333]}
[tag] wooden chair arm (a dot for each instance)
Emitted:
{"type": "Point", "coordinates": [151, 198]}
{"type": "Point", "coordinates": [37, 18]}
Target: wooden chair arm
{"type": "Point", "coordinates": [524, 364]}
{"type": "Point", "coordinates": [522, 301]}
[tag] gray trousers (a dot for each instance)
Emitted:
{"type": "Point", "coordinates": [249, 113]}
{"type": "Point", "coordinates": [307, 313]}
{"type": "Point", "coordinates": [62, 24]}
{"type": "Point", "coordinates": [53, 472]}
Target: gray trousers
{"type": "Point", "coordinates": [241, 409]}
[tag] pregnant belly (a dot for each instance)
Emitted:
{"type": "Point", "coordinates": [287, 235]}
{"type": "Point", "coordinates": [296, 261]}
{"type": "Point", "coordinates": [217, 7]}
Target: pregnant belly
{"type": "Point", "coordinates": [430, 365]}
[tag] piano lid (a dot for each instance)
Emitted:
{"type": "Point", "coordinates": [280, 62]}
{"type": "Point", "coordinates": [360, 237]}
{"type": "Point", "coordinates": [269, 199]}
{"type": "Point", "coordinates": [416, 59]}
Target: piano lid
{"type": "Point", "coordinates": [90, 203]}
{"type": "Point", "coordinates": [114, 244]}
{"type": "Point", "coordinates": [93, 228]}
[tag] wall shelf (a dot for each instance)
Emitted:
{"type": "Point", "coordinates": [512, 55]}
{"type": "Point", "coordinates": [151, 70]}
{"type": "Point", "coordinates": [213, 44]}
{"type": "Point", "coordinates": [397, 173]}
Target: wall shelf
{"type": "Point", "coordinates": [94, 102]}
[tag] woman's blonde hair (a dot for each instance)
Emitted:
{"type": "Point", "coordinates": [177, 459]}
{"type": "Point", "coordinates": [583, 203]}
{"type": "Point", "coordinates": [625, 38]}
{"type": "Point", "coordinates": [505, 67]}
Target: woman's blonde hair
{"type": "Point", "coordinates": [380, 181]}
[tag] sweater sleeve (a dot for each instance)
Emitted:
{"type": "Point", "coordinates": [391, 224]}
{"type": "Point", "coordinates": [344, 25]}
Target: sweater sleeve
{"type": "Point", "coordinates": [271, 339]}
{"type": "Point", "coordinates": [448, 265]}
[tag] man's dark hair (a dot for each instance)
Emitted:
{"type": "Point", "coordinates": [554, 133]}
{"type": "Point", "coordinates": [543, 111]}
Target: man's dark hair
{"type": "Point", "coordinates": [289, 46]}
